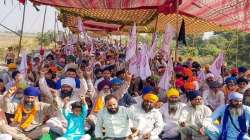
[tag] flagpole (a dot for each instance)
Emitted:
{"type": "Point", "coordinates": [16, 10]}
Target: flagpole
{"type": "Point", "coordinates": [177, 30]}
{"type": "Point", "coordinates": [44, 16]}
{"type": "Point", "coordinates": [21, 34]}
{"type": "Point", "coordinates": [237, 50]}
{"type": "Point", "coordinates": [55, 29]}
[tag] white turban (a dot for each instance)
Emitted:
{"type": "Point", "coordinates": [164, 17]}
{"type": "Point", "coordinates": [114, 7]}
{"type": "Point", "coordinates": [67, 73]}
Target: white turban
{"type": "Point", "coordinates": [69, 81]}
{"type": "Point", "coordinates": [235, 96]}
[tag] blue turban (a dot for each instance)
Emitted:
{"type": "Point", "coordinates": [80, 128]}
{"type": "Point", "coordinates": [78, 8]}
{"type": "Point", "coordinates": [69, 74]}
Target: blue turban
{"type": "Point", "coordinates": [231, 80]}
{"type": "Point", "coordinates": [147, 89]}
{"type": "Point", "coordinates": [31, 91]}
{"type": "Point", "coordinates": [116, 81]}
{"type": "Point", "coordinates": [242, 69]}
{"type": "Point", "coordinates": [193, 94]}
{"type": "Point", "coordinates": [235, 96]}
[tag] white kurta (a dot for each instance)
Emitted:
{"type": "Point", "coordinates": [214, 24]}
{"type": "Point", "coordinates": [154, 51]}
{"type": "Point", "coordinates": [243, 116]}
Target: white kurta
{"type": "Point", "coordinates": [199, 117]}
{"type": "Point", "coordinates": [171, 125]}
{"type": "Point", "coordinates": [213, 99]}
{"type": "Point", "coordinates": [152, 121]}
{"type": "Point", "coordinates": [116, 125]}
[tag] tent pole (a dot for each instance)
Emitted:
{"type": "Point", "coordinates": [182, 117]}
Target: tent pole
{"type": "Point", "coordinates": [21, 34]}
{"type": "Point", "coordinates": [177, 31]}
{"type": "Point", "coordinates": [55, 29]}
{"type": "Point", "coordinates": [44, 17]}
{"type": "Point", "coordinates": [237, 49]}
{"type": "Point", "coordinates": [9, 29]}
{"type": "Point", "coordinates": [156, 23]}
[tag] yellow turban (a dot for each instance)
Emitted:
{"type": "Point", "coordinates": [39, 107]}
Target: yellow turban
{"type": "Point", "coordinates": [151, 97]}
{"type": "Point", "coordinates": [12, 66]}
{"type": "Point", "coordinates": [173, 92]}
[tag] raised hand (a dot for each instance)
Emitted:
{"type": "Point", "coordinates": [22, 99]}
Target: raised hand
{"type": "Point", "coordinates": [80, 73]}
{"type": "Point", "coordinates": [66, 101]}
{"type": "Point", "coordinates": [53, 92]}
{"type": "Point", "coordinates": [11, 91]}
{"type": "Point", "coordinates": [89, 72]}
{"type": "Point", "coordinates": [83, 99]}
{"type": "Point", "coordinates": [128, 77]}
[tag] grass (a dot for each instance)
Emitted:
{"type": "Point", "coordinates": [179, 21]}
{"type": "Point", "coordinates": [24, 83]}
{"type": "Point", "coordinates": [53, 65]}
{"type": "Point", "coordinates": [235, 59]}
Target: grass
{"type": "Point", "coordinates": [29, 43]}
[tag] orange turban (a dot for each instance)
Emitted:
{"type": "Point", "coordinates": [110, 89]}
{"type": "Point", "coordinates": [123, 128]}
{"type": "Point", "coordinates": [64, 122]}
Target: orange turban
{"type": "Point", "coordinates": [12, 66]}
{"type": "Point", "coordinates": [187, 72]}
{"type": "Point", "coordinates": [189, 86]}
{"type": "Point", "coordinates": [151, 97]}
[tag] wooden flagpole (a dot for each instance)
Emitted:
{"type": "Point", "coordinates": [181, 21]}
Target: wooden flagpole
{"type": "Point", "coordinates": [21, 34]}
{"type": "Point", "coordinates": [177, 31]}
{"type": "Point", "coordinates": [55, 29]}
{"type": "Point", "coordinates": [44, 17]}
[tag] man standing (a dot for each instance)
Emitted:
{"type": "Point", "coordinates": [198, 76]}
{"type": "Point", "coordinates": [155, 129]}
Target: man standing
{"type": "Point", "coordinates": [194, 118]}
{"type": "Point", "coordinates": [171, 114]}
{"type": "Point", "coordinates": [235, 120]}
{"type": "Point", "coordinates": [113, 121]}
{"type": "Point", "coordinates": [30, 115]}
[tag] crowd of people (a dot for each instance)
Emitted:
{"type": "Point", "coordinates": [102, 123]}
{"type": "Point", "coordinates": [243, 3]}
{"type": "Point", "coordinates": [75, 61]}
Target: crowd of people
{"type": "Point", "coordinates": [82, 92]}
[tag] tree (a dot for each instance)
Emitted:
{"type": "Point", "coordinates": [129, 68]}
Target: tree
{"type": "Point", "coordinates": [46, 39]}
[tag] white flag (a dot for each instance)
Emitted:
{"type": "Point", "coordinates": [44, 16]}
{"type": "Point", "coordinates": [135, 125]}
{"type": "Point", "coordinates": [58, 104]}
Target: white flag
{"type": "Point", "coordinates": [23, 67]}
{"type": "Point", "coordinates": [217, 64]}
{"type": "Point", "coordinates": [134, 65]}
{"type": "Point", "coordinates": [170, 32]}
{"type": "Point", "coordinates": [80, 25]}
{"type": "Point", "coordinates": [144, 66]}
{"type": "Point", "coordinates": [153, 48]}
{"type": "Point", "coordinates": [165, 79]}
{"type": "Point", "coordinates": [130, 52]}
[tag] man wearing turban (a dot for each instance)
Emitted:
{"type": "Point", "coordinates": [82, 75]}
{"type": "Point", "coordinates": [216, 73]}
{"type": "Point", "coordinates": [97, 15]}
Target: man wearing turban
{"type": "Point", "coordinates": [151, 118]}
{"type": "Point", "coordinates": [29, 114]}
{"type": "Point", "coordinates": [194, 118]}
{"type": "Point", "coordinates": [104, 89]}
{"type": "Point", "coordinates": [68, 89]}
{"type": "Point", "coordinates": [171, 113]}
{"type": "Point", "coordinates": [235, 119]}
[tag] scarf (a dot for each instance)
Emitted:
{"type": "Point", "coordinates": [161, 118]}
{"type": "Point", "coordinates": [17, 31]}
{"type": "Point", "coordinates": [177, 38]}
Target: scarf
{"type": "Point", "coordinates": [242, 124]}
{"type": "Point", "coordinates": [19, 115]}
{"type": "Point", "coordinates": [99, 104]}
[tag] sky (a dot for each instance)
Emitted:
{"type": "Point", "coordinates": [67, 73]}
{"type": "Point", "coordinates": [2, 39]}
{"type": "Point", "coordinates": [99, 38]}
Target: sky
{"type": "Point", "coordinates": [11, 16]}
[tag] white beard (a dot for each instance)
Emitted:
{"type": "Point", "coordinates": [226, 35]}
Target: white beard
{"type": "Point", "coordinates": [236, 111]}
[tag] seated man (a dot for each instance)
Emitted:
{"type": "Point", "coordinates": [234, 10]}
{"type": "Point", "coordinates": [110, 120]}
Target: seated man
{"type": "Point", "coordinates": [29, 115]}
{"type": "Point", "coordinates": [113, 120]}
{"type": "Point", "coordinates": [235, 120]}
{"type": "Point", "coordinates": [214, 97]}
{"type": "Point", "coordinates": [151, 118]}
{"type": "Point", "coordinates": [194, 118]}
{"type": "Point", "coordinates": [171, 114]}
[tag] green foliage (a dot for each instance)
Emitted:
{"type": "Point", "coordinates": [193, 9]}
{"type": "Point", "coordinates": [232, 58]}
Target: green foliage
{"type": "Point", "coordinates": [46, 39]}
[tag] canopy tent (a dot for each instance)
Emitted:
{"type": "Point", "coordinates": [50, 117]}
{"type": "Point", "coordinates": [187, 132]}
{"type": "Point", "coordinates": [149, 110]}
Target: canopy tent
{"type": "Point", "coordinates": [233, 14]}
{"type": "Point", "coordinates": [145, 20]}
